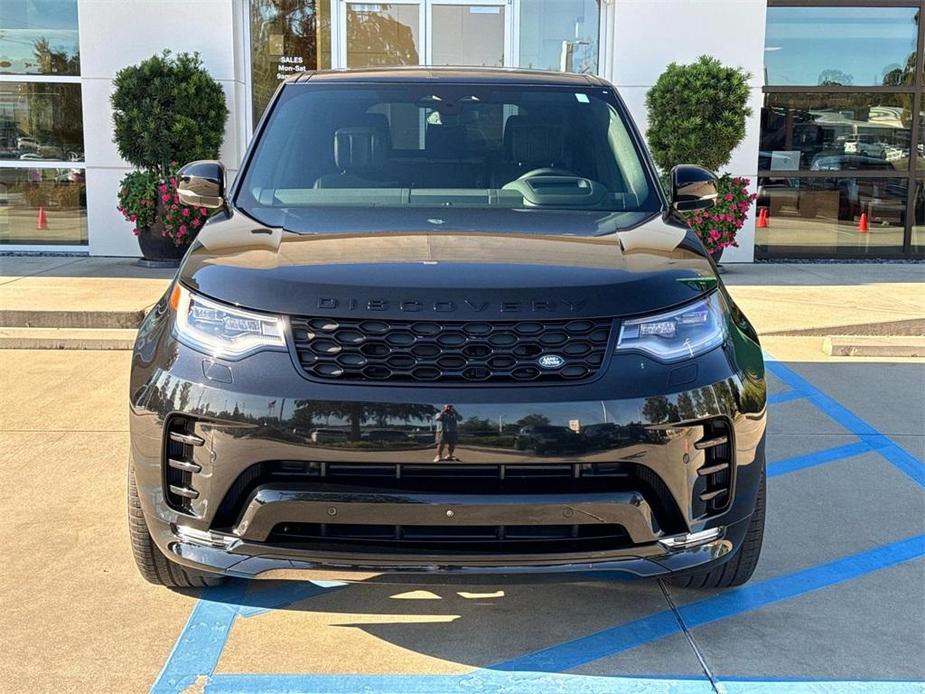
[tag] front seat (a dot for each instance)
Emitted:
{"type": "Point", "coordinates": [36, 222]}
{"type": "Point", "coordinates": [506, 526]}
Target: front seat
{"type": "Point", "coordinates": [529, 144]}
{"type": "Point", "coordinates": [360, 155]}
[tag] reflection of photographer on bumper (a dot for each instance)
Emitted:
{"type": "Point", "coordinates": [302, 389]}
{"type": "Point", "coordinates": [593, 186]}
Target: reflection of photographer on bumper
{"type": "Point", "coordinates": [447, 432]}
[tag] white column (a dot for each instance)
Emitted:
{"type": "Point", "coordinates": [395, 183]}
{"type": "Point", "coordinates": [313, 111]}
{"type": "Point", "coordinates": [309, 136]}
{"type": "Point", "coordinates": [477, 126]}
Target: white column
{"type": "Point", "coordinates": [647, 35]}
{"type": "Point", "coordinates": [116, 33]}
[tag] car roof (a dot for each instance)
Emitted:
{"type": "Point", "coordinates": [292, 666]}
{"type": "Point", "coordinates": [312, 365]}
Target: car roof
{"type": "Point", "coordinates": [456, 75]}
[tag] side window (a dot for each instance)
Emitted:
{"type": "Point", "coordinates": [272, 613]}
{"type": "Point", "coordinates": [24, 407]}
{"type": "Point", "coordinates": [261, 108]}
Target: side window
{"type": "Point", "coordinates": [634, 178]}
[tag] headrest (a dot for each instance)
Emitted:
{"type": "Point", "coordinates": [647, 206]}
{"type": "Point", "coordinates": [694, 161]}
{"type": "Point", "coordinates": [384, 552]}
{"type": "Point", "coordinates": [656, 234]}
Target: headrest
{"type": "Point", "coordinates": [360, 148]}
{"type": "Point", "coordinates": [534, 143]}
{"type": "Point", "coordinates": [445, 141]}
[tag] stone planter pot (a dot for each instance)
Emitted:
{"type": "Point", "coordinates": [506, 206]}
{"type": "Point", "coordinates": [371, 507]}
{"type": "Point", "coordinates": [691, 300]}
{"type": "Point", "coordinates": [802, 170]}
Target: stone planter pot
{"type": "Point", "coordinates": [158, 250]}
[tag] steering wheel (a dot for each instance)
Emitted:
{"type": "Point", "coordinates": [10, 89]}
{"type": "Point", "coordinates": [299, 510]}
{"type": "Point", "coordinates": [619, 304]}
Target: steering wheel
{"type": "Point", "coordinates": [547, 171]}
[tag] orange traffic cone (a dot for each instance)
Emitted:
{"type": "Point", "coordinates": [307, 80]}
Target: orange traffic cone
{"type": "Point", "coordinates": [863, 225]}
{"type": "Point", "coordinates": [41, 222]}
{"type": "Point", "coordinates": [762, 222]}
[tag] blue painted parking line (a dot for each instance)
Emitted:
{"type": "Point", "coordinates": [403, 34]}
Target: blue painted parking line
{"type": "Point", "coordinates": [283, 595]}
{"type": "Point", "coordinates": [203, 638]}
{"type": "Point", "coordinates": [785, 396]}
{"type": "Point", "coordinates": [200, 645]}
{"type": "Point", "coordinates": [749, 686]}
{"type": "Point", "coordinates": [892, 452]}
{"type": "Point", "coordinates": [486, 681]}
{"type": "Point", "coordinates": [624, 637]}
{"type": "Point", "coordinates": [829, 455]}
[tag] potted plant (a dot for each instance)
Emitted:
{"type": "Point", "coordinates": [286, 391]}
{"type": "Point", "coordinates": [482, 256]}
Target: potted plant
{"type": "Point", "coordinates": [697, 115]}
{"type": "Point", "coordinates": [166, 110]}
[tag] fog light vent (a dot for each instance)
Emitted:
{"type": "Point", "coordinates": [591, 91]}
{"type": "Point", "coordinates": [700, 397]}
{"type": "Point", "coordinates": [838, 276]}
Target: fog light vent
{"type": "Point", "coordinates": [179, 466]}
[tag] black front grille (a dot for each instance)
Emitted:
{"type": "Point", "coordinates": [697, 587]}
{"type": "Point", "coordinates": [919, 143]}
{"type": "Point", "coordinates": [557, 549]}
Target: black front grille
{"type": "Point", "coordinates": [440, 539]}
{"type": "Point", "coordinates": [351, 349]}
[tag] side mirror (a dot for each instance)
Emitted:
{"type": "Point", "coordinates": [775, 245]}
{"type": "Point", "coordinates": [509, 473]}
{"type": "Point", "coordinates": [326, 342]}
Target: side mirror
{"type": "Point", "coordinates": [202, 184]}
{"type": "Point", "coordinates": [693, 188]}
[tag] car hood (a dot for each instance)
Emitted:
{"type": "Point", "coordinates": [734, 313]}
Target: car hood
{"type": "Point", "coordinates": [456, 274]}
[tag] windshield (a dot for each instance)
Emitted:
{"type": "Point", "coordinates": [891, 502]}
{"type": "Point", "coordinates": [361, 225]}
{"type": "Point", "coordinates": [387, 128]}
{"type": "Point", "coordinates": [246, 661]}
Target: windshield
{"type": "Point", "coordinates": [386, 148]}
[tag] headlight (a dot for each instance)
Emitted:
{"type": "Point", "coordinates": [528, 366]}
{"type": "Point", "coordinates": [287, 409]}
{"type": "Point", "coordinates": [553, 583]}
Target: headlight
{"type": "Point", "coordinates": [223, 331]}
{"type": "Point", "coordinates": [680, 334]}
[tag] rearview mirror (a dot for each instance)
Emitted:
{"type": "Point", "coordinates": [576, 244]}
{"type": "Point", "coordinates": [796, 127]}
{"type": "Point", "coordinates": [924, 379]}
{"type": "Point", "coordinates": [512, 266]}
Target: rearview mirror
{"type": "Point", "coordinates": [693, 188]}
{"type": "Point", "coordinates": [202, 184]}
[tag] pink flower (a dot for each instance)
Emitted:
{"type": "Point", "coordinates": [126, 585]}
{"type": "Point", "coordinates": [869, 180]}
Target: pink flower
{"type": "Point", "coordinates": [173, 182]}
{"type": "Point", "coordinates": [163, 188]}
{"type": "Point", "coordinates": [173, 206]}
{"type": "Point", "coordinates": [132, 217]}
{"type": "Point", "coordinates": [137, 232]}
{"type": "Point", "coordinates": [714, 234]}
{"type": "Point", "coordinates": [728, 197]}
{"type": "Point", "coordinates": [195, 223]}
{"type": "Point", "coordinates": [182, 229]}
{"type": "Point", "coordinates": [185, 211]}
{"type": "Point", "coordinates": [165, 197]}
{"type": "Point", "coordinates": [203, 211]}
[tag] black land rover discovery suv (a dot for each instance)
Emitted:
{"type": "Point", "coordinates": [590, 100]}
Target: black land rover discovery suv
{"type": "Point", "coordinates": [397, 242]}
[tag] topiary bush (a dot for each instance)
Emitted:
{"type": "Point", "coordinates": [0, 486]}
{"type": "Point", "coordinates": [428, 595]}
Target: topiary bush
{"type": "Point", "coordinates": [697, 115]}
{"type": "Point", "coordinates": [167, 110]}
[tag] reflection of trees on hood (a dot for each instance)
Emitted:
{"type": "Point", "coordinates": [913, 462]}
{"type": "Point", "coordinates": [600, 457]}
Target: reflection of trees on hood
{"type": "Point", "coordinates": [358, 412]}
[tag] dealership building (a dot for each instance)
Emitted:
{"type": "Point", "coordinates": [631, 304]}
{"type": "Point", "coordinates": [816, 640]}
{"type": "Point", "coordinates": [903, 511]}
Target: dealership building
{"type": "Point", "coordinates": [834, 148]}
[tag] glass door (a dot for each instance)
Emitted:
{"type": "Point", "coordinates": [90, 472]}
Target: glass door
{"type": "Point", "coordinates": [379, 34]}
{"type": "Point", "coordinates": [422, 32]}
{"type": "Point", "coordinates": [473, 33]}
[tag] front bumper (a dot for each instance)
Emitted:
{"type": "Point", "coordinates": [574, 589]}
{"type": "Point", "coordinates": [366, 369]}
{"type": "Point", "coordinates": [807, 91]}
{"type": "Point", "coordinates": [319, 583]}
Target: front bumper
{"type": "Point", "coordinates": [257, 471]}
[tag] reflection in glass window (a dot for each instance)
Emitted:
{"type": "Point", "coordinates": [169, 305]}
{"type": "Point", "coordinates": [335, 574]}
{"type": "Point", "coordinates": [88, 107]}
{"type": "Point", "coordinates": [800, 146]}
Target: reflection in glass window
{"type": "Point", "coordinates": [286, 38]}
{"type": "Point", "coordinates": [821, 216]}
{"type": "Point", "coordinates": [382, 35]}
{"type": "Point", "coordinates": [830, 46]}
{"type": "Point", "coordinates": [835, 132]}
{"type": "Point", "coordinates": [43, 206]}
{"type": "Point", "coordinates": [39, 37]}
{"type": "Point", "coordinates": [559, 35]}
{"type": "Point", "coordinates": [40, 121]}
{"type": "Point", "coordinates": [468, 35]}
{"type": "Point", "coordinates": [918, 221]}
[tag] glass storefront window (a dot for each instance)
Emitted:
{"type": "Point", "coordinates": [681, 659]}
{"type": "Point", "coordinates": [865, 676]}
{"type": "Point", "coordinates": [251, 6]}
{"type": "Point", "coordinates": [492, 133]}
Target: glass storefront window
{"type": "Point", "coordinates": [822, 216]}
{"type": "Point", "coordinates": [835, 132]}
{"type": "Point", "coordinates": [840, 46]}
{"type": "Point", "coordinates": [39, 37]}
{"type": "Point", "coordinates": [286, 37]}
{"type": "Point", "coordinates": [40, 121]}
{"type": "Point", "coordinates": [43, 206]}
{"type": "Point", "coordinates": [468, 35]}
{"type": "Point", "coordinates": [559, 35]}
{"type": "Point", "coordinates": [383, 34]}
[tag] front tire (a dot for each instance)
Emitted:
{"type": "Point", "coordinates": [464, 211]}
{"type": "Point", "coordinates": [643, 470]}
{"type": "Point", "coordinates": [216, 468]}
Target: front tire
{"type": "Point", "coordinates": [151, 562]}
{"type": "Point", "coordinates": [738, 569]}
